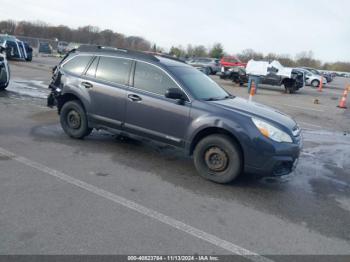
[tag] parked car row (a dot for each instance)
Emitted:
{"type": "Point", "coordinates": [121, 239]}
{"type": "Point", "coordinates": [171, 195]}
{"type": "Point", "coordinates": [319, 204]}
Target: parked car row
{"type": "Point", "coordinates": [15, 48]}
{"type": "Point", "coordinates": [313, 79]}
{"type": "Point", "coordinates": [213, 66]}
{"type": "Point", "coordinates": [328, 76]}
{"type": "Point", "coordinates": [209, 66]}
{"type": "Point", "coordinates": [230, 67]}
{"type": "Point", "coordinates": [237, 72]}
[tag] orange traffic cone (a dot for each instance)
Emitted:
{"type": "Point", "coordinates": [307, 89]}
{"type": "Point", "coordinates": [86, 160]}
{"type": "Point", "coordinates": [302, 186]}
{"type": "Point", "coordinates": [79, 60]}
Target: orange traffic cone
{"type": "Point", "coordinates": [252, 90]}
{"type": "Point", "coordinates": [320, 85]}
{"type": "Point", "coordinates": [342, 103]}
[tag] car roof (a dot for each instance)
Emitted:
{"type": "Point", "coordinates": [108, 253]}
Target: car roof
{"type": "Point", "coordinates": [157, 58]}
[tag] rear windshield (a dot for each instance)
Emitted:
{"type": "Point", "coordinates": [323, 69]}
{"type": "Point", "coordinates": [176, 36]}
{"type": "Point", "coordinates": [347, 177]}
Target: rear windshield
{"type": "Point", "coordinates": [77, 64]}
{"type": "Point", "coordinates": [200, 85]}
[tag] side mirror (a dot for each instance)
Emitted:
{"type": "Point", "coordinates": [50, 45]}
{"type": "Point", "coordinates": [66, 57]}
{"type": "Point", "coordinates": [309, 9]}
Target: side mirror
{"type": "Point", "coordinates": [175, 93]}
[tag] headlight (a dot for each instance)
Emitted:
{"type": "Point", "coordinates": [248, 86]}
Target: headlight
{"type": "Point", "coordinates": [271, 132]}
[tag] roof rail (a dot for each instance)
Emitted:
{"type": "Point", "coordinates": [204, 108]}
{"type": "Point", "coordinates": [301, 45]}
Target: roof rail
{"type": "Point", "coordinates": [164, 55]}
{"type": "Point", "coordinates": [99, 48]}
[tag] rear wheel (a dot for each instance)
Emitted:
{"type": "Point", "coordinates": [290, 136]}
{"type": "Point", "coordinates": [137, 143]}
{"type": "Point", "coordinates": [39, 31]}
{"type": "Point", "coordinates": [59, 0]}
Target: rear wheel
{"type": "Point", "coordinates": [218, 158]}
{"type": "Point", "coordinates": [73, 120]}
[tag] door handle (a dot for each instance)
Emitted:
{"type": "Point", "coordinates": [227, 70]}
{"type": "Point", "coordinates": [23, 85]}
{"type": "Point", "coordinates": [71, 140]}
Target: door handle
{"type": "Point", "coordinates": [87, 84]}
{"type": "Point", "coordinates": [134, 98]}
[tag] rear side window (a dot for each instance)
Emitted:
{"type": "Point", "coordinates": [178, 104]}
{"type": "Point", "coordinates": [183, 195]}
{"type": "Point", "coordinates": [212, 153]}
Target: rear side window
{"type": "Point", "coordinates": [152, 79]}
{"type": "Point", "coordinates": [77, 64]}
{"type": "Point", "coordinates": [114, 70]}
{"type": "Point", "coordinates": [91, 72]}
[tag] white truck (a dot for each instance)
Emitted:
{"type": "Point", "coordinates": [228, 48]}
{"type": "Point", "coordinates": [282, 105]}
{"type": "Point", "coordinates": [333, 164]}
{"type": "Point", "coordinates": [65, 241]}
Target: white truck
{"type": "Point", "coordinates": [273, 73]}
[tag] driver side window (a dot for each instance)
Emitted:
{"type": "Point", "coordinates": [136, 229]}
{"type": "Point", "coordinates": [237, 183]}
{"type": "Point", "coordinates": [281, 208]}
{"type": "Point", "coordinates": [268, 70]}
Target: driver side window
{"type": "Point", "coordinates": [151, 79]}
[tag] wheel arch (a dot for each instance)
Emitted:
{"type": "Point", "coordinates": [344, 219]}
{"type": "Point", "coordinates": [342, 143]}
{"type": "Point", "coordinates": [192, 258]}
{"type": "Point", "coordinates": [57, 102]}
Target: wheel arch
{"type": "Point", "coordinates": [315, 80]}
{"type": "Point", "coordinates": [66, 97]}
{"type": "Point", "coordinates": [211, 131]}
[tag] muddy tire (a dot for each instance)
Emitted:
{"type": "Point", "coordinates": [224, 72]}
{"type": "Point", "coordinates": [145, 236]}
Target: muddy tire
{"type": "Point", "coordinates": [218, 158]}
{"type": "Point", "coordinates": [73, 120]}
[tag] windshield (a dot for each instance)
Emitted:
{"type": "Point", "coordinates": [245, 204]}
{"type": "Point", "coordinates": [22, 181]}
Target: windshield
{"type": "Point", "coordinates": [201, 86]}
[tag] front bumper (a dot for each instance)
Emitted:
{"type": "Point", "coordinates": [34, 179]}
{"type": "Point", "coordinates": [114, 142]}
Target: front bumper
{"type": "Point", "coordinates": [281, 162]}
{"type": "Point", "coordinates": [52, 98]}
{"type": "Point", "coordinates": [275, 167]}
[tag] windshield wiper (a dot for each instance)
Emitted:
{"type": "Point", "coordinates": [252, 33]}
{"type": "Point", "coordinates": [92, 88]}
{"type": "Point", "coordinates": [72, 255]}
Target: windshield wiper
{"type": "Point", "coordinates": [219, 98]}
{"type": "Point", "coordinates": [229, 96]}
{"type": "Point", "coordinates": [212, 99]}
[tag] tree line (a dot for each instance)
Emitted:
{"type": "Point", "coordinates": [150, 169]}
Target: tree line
{"type": "Point", "coordinates": [85, 35]}
{"type": "Point", "coordinates": [94, 35]}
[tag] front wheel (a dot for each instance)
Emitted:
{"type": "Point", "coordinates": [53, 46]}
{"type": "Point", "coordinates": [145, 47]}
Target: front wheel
{"type": "Point", "coordinates": [3, 87]}
{"type": "Point", "coordinates": [290, 90]}
{"type": "Point", "coordinates": [73, 120]}
{"type": "Point", "coordinates": [315, 83]}
{"type": "Point", "coordinates": [218, 158]}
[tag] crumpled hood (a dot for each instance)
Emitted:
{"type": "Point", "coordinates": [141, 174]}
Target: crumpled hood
{"type": "Point", "coordinates": [257, 110]}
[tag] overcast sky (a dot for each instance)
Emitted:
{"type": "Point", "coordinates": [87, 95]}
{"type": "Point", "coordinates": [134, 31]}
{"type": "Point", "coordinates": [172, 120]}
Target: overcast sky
{"type": "Point", "coordinates": [279, 26]}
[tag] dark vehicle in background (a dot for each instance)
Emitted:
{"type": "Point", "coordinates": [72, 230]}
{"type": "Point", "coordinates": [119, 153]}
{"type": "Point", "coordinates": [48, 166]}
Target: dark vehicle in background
{"type": "Point", "coordinates": [237, 74]}
{"type": "Point", "coordinates": [209, 66]}
{"type": "Point", "coordinates": [15, 48]}
{"type": "Point", "coordinates": [227, 63]}
{"type": "Point", "coordinates": [29, 51]}
{"type": "Point", "coordinates": [329, 77]}
{"type": "Point", "coordinates": [151, 97]}
{"type": "Point", "coordinates": [273, 73]}
{"type": "Point", "coordinates": [4, 68]}
{"type": "Point", "coordinates": [291, 84]}
{"type": "Point", "coordinates": [45, 48]}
